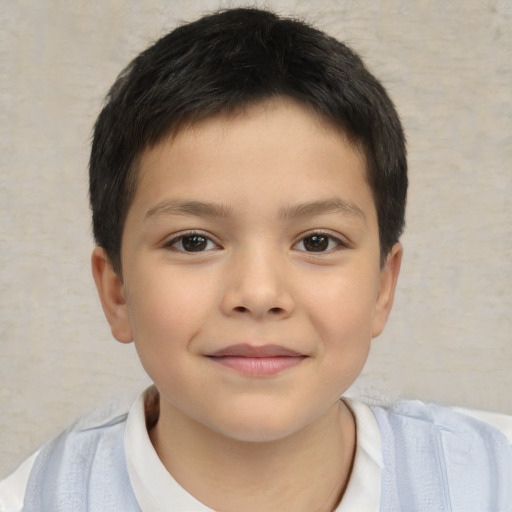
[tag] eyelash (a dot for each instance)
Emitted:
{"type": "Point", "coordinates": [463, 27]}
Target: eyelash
{"type": "Point", "coordinates": [326, 237]}
{"type": "Point", "coordinates": [320, 236]}
{"type": "Point", "coordinates": [190, 234]}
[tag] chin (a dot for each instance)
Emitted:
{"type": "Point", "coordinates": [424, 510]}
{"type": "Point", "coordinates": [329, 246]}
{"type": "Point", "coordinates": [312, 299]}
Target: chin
{"type": "Point", "coordinates": [258, 434]}
{"type": "Point", "coordinates": [264, 428]}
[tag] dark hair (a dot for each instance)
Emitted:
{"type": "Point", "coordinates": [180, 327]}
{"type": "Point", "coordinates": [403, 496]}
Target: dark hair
{"type": "Point", "coordinates": [223, 62]}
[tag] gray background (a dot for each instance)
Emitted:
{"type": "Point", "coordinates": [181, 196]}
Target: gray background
{"type": "Point", "coordinates": [448, 66]}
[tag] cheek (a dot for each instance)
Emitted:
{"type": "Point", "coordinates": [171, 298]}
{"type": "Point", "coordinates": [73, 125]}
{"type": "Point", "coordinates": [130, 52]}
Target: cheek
{"type": "Point", "coordinates": [166, 317]}
{"type": "Point", "coordinates": [342, 307]}
{"type": "Point", "coordinates": [342, 317]}
{"type": "Point", "coordinates": [168, 310]}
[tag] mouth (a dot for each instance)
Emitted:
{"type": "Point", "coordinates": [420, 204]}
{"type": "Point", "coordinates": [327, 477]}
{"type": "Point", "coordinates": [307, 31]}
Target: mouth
{"type": "Point", "coordinates": [255, 361]}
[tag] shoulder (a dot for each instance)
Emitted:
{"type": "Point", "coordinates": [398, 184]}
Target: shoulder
{"type": "Point", "coordinates": [473, 433]}
{"type": "Point", "coordinates": [12, 488]}
{"type": "Point", "coordinates": [94, 425]}
{"type": "Point", "coordinates": [444, 456]}
{"type": "Point", "coordinates": [408, 415]}
{"type": "Point", "coordinates": [501, 422]}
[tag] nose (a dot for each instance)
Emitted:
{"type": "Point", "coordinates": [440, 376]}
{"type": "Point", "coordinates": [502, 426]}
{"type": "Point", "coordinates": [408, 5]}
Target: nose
{"type": "Point", "coordinates": [256, 286]}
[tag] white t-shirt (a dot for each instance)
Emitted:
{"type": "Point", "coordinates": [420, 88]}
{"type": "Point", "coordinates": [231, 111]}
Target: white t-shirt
{"type": "Point", "coordinates": [155, 488]}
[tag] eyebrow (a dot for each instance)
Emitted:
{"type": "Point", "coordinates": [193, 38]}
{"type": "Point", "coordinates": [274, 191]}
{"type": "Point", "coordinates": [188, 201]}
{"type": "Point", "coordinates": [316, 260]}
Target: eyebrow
{"type": "Point", "coordinates": [207, 209]}
{"type": "Point", "coordinates": [335, 205]}
{"type": "Point", "coordinates": [198, 208]}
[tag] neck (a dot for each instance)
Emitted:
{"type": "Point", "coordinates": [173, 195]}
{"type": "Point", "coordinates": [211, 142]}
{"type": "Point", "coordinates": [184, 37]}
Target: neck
{"type": "Point", "coordinates": [305, 471]}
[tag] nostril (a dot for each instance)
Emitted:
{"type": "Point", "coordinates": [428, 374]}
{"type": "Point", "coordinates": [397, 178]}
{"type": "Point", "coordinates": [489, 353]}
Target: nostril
{"type": "Point", "coordinates": [243, 309]}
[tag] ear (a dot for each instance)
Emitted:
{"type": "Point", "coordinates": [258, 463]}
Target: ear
{"type": "Point", "coordinates": [111, 292]}
{"type": "Point", "coordinates": [388, 279]}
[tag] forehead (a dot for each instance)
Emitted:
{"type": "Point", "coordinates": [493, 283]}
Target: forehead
{"type": "Point", "coordinates": [277, 150]}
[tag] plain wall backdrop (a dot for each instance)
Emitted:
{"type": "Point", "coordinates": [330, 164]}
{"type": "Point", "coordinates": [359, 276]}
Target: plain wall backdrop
{"type": "Point", "coordinates": [448, 67]}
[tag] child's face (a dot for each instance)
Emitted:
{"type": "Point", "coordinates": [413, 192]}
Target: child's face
{"type": "Point", "coordinates": [251, 271]}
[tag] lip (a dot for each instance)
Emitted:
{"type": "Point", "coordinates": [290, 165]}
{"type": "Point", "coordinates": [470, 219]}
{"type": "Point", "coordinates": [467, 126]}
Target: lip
{"type": "Point", "coordinates": [254, 361]}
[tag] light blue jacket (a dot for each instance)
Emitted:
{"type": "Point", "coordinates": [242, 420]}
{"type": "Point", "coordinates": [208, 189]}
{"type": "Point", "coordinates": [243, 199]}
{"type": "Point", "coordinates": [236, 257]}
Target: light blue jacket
{"type": "Point", "coordinates": [438, 460]}
{"type": "Point", "coordinates": [434, 460]}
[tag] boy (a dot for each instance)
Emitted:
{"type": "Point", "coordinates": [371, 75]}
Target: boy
{"type": "Point", "coordinates": [248, 184]}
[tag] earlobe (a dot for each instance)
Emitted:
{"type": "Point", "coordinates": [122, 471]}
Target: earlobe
{"type": "Point", "coordinates": [388, 279]}
{"type": "Point", "coordinates": [111, 292]}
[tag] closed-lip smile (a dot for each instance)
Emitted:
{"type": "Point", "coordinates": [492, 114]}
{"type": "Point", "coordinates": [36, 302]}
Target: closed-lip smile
{"type": "Point", "coordinates": [253, 360]}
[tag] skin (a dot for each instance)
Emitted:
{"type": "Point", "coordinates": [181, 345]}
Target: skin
{"type": "Point", "coordinates": [272, 178]}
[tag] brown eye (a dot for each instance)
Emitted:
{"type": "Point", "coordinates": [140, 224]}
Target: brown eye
{"type": "Point", "coordinates": [316, 243]}
{"type": "Point", "coordinates": [194, 242]}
